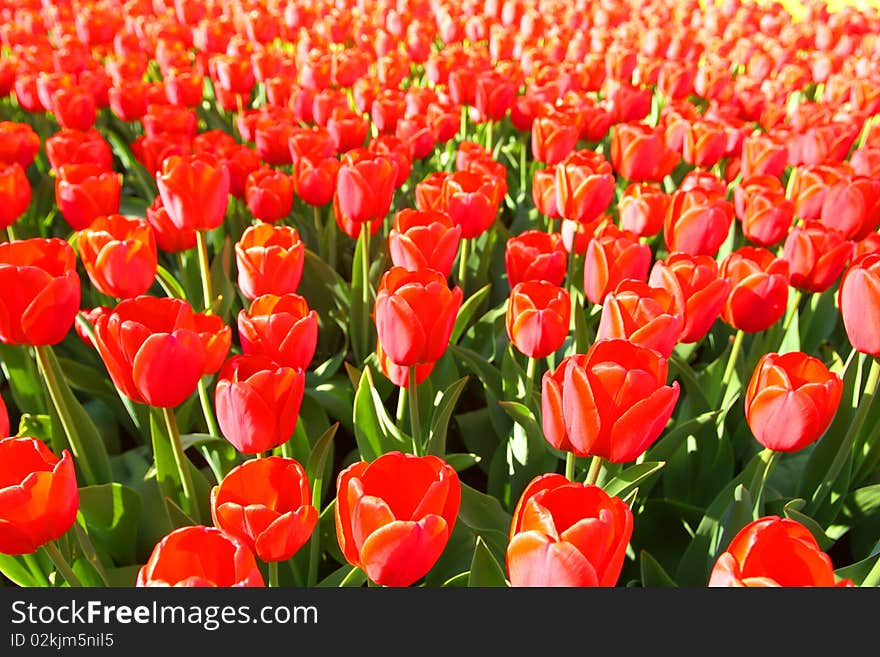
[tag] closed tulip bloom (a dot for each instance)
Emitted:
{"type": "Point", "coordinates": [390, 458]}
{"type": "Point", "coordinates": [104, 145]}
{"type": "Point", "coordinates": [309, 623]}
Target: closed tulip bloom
{"type": "Point", "coordinates": [84, 192]}
{"type": "Point", "coordinates": [648, 316]}
{"type": "Point", "coordinates": [809, 184]}
{"type": "Point", "coordinates": [18, 143]}
{"type": "Point", "coordinates": [78, 147]}
{"type": "Point", "coordinates": [584, 186]}
{"type": "Point", "coordinates": [424, 240]}
{"type": "Point", "coordinates": [74, 108]}
{"type": "Point", "coordinates": [41, 291]}
{"type": "Point", "coordinates": [642, 209]}
{"type": "Point", "coordinates": [15, 193]}
{"type": "Point", "coordinates": [169, 238]}
{"type": "Point", "coordinates": [565, 533]}
{"type": "Point", "coordinates": [639, 153]}
{"type": "Point", "coordinates": [611, 402]}
{"type": "Point", "coordinates": [612, 256]}
{"type": "Point", "coordinates": [39, 498]}
{"type": "Point", "coordinates": [859, 302]}
{"type": "Point", "coordinates": [763, 155]}
{"type": "Point", "coordinates": [119, 255]}
{"type": "Point", "coordinates": [852, 206]}
{"type": "Point", "coordinates": [414, 314]}
{"type": "Point", "coordinates": [394, 516]}
{"type": "Point", "coordinates": [494, 95]}
{"type": "Point", "coordinates": [280, 327]}
{"type": "Point", "coordinates": [544, 192]}
{"type": "Point", "coordinates": [267, 505]}
{"type": "Point", "coordinates": [697, 222]}
{"type": "Point", "coordinates": [774, 551]}
{"type": "Point", "coordinates": [765, 213]}
{"type": "Point", "coordinates": [429, 191]}
{"type": "Point", "coordinates": [348, 129]}
{"type": "Point", "coordinates": [270, 260]}
{"type": "Point", "coordinates": [194, 190]}
{"type": "Point", "coordinates": [791, 400]}
{"type": "Point", "coordinates": [534, 255]}
{"type": "Point", "coordinates": [198, 556]}
{"type": "Point", "coordinates": [758, 289]}
{"type": "Point", "coordinates": [269, 194]}
{"type": "Point", "coordinates": [538, 317]}
{"type": "Point", "coordinates": [553, 137]}
{"type": "Point", "coordinates": [705, 143]}
{"type": "Point", "coordinates": [365, 185]}
{"type": "Point", "coordinates": [257, 402]}
{"type": "Point", "coordinates": [156, 350]}
{"type": "Point", "coordinates": [816, 256]}
{"type": "Point", "coordinates": [472, 200]}
{"type": "Point", "coordinates": [314, 180]}
{"type": "Point", "coordinates": [695, 282]}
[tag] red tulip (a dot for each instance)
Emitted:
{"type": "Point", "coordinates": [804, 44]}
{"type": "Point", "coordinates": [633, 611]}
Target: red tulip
{"type": "Point", "coordinates": [424, 239]}
{"type": "Point", "coordinates": [791, 400]}
{"type": "Point", "coordinates": [553, 137]}
{"type": "Point", "coordinates": [584, 186]}
{"type": "Point", "coordinates": [365, 186]}
{"type": "Point", "coordinates": [538, 317]}
{"type": "Point", "coordinates": [694, 281]}
{"type": "Point", "coordinates": [41, 291]}
{"type": "Point", "coordinates": [816, 256]}
{"type": "Point", "coordinates": [18, 143]}
{"type": "Point", "coordinates": [281, 328]}
{"type": "Point", "coordinates": [270, 260]}
{"type": "Point", "coordinates": [705, 143]}
{"type": "Point", "coordinates": [15, 193]}
{"type": "Point", "coordinates": [859, 302]}
{"type": "Point", "coordinates": [78, 147]}
{"type": "Point", "coordinates": [267, 505]}
{"type": "Point", "coordinates": [642, 209]}
{"type": "Point", "coordinates": [534, 255]}
{"type": "Point", "coordinates": [774, 551]}
{"type": "Point", "coordinates": [157, 349]}
{"type": "Point", "coordinates": [808, 186]}
{"type": "Point", "coordinates": [566, 533]}
{"type": "Point", "coordinates": [639, 153]}
{"type": "Point", "coordinates": [758, 289]}
{"type": "Point", "coordinates": [197, 556]}
{"type": "Point", "coordinates": [394, 516]}
{"type": "Point", "coordinates": [763, 155]}
{"type": "Point", "coordinates": [544, 192]}
{"type": "Point", "coordinates": [414, 314]}
{"type": "Point", "coordinates": [399, 374]}
{"type": "Point", "coordinates": [84, 192]}
{"type": "Point", "coordinates": [169, 237]}
{"type": "Point", "coordinates": [697, 222]}
{"type": "Point", "coordinates": [765, 213]}
{"type": "Point", "coordinates": [119, 255]}
{"type": "Point", "coordinates": [39, 498]}
{"type": "Point", "coordinates": [194, 190]}
{"type": "Point", "coordinates": [611, 402]}
{"type": "Point", "coordinates": [852, 206]}
{"type": "Point", "coordinates": [645, 315]}
{"type": "Point", "coordinates": [269, 194]}
{"type": "Point", "coordinates": [472, 200]}
{"type": "Point", "coordinates": [315, 179]}
{"type": "Point", "coordinates": [612, 256]}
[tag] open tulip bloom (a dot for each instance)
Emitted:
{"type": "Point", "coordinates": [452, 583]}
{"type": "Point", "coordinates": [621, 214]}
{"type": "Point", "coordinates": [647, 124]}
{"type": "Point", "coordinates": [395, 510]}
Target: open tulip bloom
{"type": "Point", "coordinates": [439, 293]}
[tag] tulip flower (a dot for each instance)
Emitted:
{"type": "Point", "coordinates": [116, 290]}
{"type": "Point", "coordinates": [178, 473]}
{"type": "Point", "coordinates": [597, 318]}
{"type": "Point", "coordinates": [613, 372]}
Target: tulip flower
{"type": "Point", "coordinates": [169, 238]}
{"type": "Point", "coordinates": [611, 402]}
{"type": "Point", "coordinates": [269, 194]}
{"type": "Point", "coordinates": [281, 328]}
{"type": "Point", "coordinates": [270, 260]}
{"type": "Point", "coordinates": [765, 213]}
{"type": "Point", "coordinates": [791, 400]}
{"type": "Point", "coordinates": [84, 192]}
{"type": "Point", "coordinates": [808, 186]}
{"type": "Point", "coordinates": [424, 239]}
{"type": "Point", "coordinates": [18, 143]}
{"type": "Point", "coordinates": [648, 316]}
{"type": "Point", "coordinates": [538, 317]}
{"type": "Point", "coordinates": [566, 533]}
{"type": "Point", "coordinates": [642, 209]}
{"type": "Point", "coordinates": [198, 556]}
{"type": "Point", "coordinates": [398, 374]}
{"type": "Point", "coordinates": [774, 551]}
{"type": "Point", "coordinates": [119, 255]}
{"type": "Point", "coordinates": [365, 185]}
{"type": "Point", "coordinates": [758, 289]}
{"type": "Point", "coordinates": [553, 137]}
{"type": "Point", "coordinates": [472, 200]}
{"type": "Point", "coordinates": [763, 155]}
{"type": "Point", "coordinates": [697, 222]}
{"type": "Point", "coordinates": [394, 516]}
{"type": "Point", "coordinates": [39, 498]}
{"type": "Point", "coordinates": [157, 349]}
{"type": "Point", "coordinates": [639, 153]}
{"type": "Point", "coordinates": [584, 186]}
{"type": "Point", "coordinates": [695, 283]}
{"type": "Point", "coordinates": [15, 193]}
{"type": "Point", "coordinates": [41, 291]}
{"type": "Point", "coordinates": [414, 314]}
{"type": "Point", "coordinates": [859, 302]}
{"type": "Point", "coordinates": [612, 256]}
{"type": "Point", "coordinates": [78, 147]}
{"type": "Point", "coordinates": [816, 256]}
{"type": "Point", "coordinates": [544, 192]}
{"type": "Point", "coordinates": [314, 179]}
{"type": "Point", "coordinates": [267, 505]}
{"type": "Point", "coordinates": [194, 191]}
{"type": "Point", "coordinates": [534, 255]}
{"type": "Point", "coordinates": [852, 206]}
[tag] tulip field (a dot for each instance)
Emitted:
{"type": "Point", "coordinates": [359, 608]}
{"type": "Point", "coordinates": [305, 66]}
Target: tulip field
{"type": "Point", "coordinates": [439, 293]}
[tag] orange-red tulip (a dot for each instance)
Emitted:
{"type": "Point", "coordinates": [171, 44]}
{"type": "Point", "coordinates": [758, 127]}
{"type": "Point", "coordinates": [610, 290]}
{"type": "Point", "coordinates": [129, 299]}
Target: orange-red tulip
{"type": "Point", "coordinates": [758, 289]}
{"type": "Point", "coordinates": [612, 256]}
{"type": "Point", "coordinates": [4, 419]}
{"type": "Point", "coordinates": [169, 237]}
{"type": "Point", "coordinates": [816, 256]}
{"type": "Point", "coordinates": [859, 302]}
{"type": "Point", "coordinates": [584, 186]}
{"type": "Point", "coordinates": [119, 255]}
{"type": "Point", "coordinates": [424, 240]}
{"type": "Point", "coordinates": [270, 260]}
{"type": "Point", "coordinates": [697, 221]}
{"type": "Point", "coordinates": [538, 317]}
{"type": "Point", "coordinates": [84, 192]}
{"type": "Point", "coordinates": [645, 315]}
{"type": "Point", "coordinates": [269, 194]}
{"type": "Point", "coordinates": [281, 328]}
{"type": "Point", "coordinates": [15, 193]}
{"type": "Point", "coordinates": [194, 190]}
{"type": "Point", "coordinates": [534, 255]}
{"type": "Point", "coordinates": [642, 209]}
{"type": "Point", "coordinates": [472, 200]}
{"type": "Point", "coordinates": [365, 185]}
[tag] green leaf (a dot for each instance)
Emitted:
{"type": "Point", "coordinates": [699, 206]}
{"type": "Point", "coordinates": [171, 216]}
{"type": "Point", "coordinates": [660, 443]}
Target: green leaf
{"type": "Point", "coordinates": [792, 510]}
{"type": "Point", "coordinates": [360, 330]}
{"type": "Point", "coordinates": [485, 570]}
{"type": "Point", "coordinates": [24, 380]}
{"type": "Point", "coordinates": [622, 484]}
{"type": "Point", "coordinates": [371, 421]}
{"type": "Point", "coordinates": [739, 514]}
{"type": "Point", "coordinates": [692, 385]}
{"type": "Point", "coordinates": [36, 426]}
{"type": "Point", "coordinates": [169, 283]}
{"type": "Point", "coordinates": [528, 452]}
{"type": "Point", "coordinates": [466, 312]}
{"type": "Point", "coordinates": [858, 571]}
{"type": "Point", "coordinates": [488, 374]}
{"type": "Point", "coordinates": [13, 568]}
{"type": "Point", "coordinates": [112, 513]}
{"type": "Point", "coordinates": [336, 398]}
{"type": "Point", "coordinates": [668, 444]}
{"type": "Point", "coordinates": [484, 515]}
{"type": "Point", "coordinates": [441, 416]}
{"type": "Point", "coordinates": [461, 462]}
{"type": "Point", "coordinates": [316, 468]}
{"type": "Point", "coordinates": [652, 573]}
{"type": "Point", "coordinates": [457, 581]}
{"type": "Point", "coordinates": [343, 573]}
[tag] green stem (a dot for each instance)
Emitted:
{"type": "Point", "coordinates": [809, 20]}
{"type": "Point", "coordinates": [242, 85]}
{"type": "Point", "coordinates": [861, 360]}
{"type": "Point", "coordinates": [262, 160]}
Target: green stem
{"type": "Point", "coordinates": [731, 361]}
{"type": "Point", "coordinates": [61, 564]}
{"type": "Point", "coordinates": [51, 376]}
{"type": "Point", "coordinates": [570, 461]}
{"type": "Point", "coordinates": [531, 370]}
{"type": "Point", "coordinates": [595, 469]}
{"type": "Point", "coordinates": [331, 244]}
{"type": "Point", "coordinates": [522, 164]}
{"type": "Point", "coordinates": [36, 569]}
{"type": "Point", "coordinates": [319, 231]}
{"type": "Point", "coordinates": [10, 233]}
{"type": "Point", "coordinates": [205, 269]}
{"type": "Point", "coordinates": [182, 463]}
{"type": "Point", "coordinates": [854, 430]}
{"type": "Point", "coordinates": [273, 574]}
{"type": "Point", "coordinates": [462, 134]}
{"type": "Point", "coordinates": [796, 302]}
{"type": "Point", "coordinates": [413, 399]}
{"type": "Point", "coordinates": [770, 458]}
{"type": "Point", "coordinates": [489, 128]}
{"type": "Point", "coordinates": [401, 405]}
{"type": "Point", "coordinates": [365, 262]}
{"type": "Point", "coordinates": [462, 264]}
{"type": "Point", "coordinates": [315, 540]}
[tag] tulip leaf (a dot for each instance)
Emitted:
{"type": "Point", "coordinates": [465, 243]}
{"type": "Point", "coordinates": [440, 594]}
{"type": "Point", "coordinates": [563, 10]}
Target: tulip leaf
{"type": "Point", "coordinates": [818, 320]}
{"type": "Point", "coordinates": [125, 576]}
{"type": "Point", "coordinates": [361, 303]}
{"type": "Point", "coordinates": [485, 570]}
{"type": "Point", "coordinates": [653, 574]}
{"type": "Point", "coordinates": [89, 552]}
{"type": "Point", "coordinates": [484, 515]}
{"type": "Point", "coordinates": [457, 581]}
{"type": "Point", "coordinates": [667, 445]}
{"type": "Point", "coordinates": [325, 370]}
{"type": "Point", "coordinates": [859, 571]}
{"type": "Point", "coordinates": [316, 469]}
{"type": "Point", "coordinates": [371, 422]}
{"type": "Point", "coordinates": [528, 453]}
{"type": "Point", "coordinates": [696, 390]}
{"type": "Point", "coordinates": [792, 510]}
{"type": "Point", "coordinates": [336, 398]}
{"type": "Point", "coordinates": [487, 373]}
{"type": "Point", "coordinates": [36, 426]}
{"type": "Point", "coordinates": [93, 382]}
{"type": "Point", "coordinates": [461, 462]}
{"type": "Point", "coordinates": [621, 484]}
{"type": "Point", "coordinates": [739, 514]}
{"type": "Point", "coordinates": [14, 569]}
{"type": "Point", "coordinates": [111, 513]}
{"type": "Point", "coordinates": [169, 283]}
{"type": "Point", "coordinates": [441, 416]}
{"type": "Point", "coordinates": [861, 511]}
{"type": "Point", "coordinates": [24, 380]}
{"type": "Point", "coordinates": [224, 289]}
{"type": "Point", "coordinates": [325, 279]}
{"type": "Point", "coordinates": [467, 311]}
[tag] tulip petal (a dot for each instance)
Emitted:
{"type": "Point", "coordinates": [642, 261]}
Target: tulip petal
{"type": "Point", "coordinates": [400, 553]}
{"type": "Point", "coordinates": [534, 559]}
